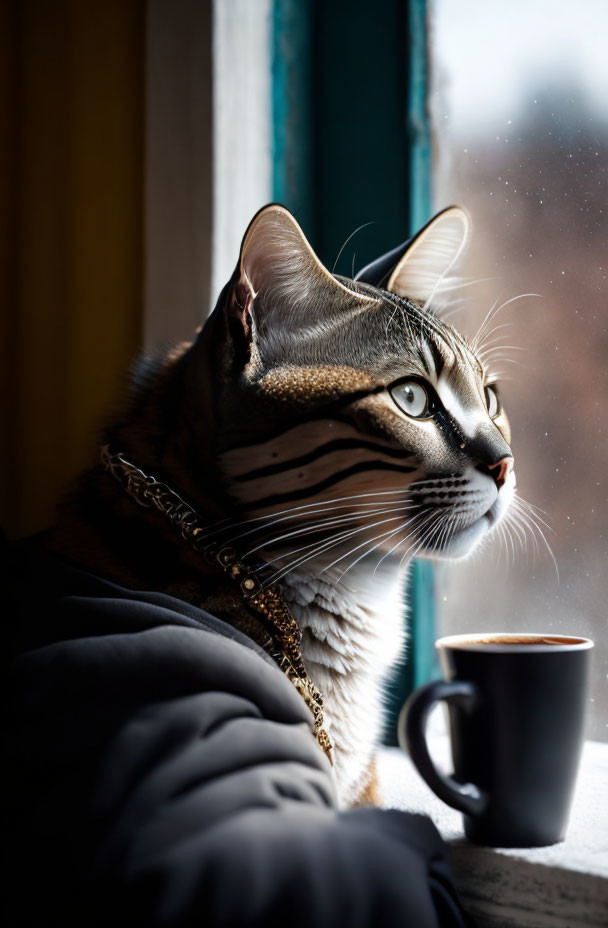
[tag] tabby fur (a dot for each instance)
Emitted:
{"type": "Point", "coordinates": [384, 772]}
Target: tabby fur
{"type": "Point", "coordinates": [280, 424]}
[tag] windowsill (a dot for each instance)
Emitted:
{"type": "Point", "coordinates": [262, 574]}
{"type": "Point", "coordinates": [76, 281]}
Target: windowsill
{"type": "Point", "coordinates": [563, 886]}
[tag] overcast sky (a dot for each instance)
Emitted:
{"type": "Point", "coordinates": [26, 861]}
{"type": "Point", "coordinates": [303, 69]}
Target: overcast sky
{"type": "Point", "coordinates": [490, 56]}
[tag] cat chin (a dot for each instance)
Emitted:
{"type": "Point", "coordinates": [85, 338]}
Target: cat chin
{"type": "Point", "coordinates": [462, 543]}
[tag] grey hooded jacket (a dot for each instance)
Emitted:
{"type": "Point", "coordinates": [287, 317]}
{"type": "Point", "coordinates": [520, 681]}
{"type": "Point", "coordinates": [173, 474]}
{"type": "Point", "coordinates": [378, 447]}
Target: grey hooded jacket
{"type": "Point", "coordinates": [164, 772]}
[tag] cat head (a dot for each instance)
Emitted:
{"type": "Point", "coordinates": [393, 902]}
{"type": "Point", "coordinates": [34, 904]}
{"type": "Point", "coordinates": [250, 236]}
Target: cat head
{"type": "Point", "coordinates": [349, 416]}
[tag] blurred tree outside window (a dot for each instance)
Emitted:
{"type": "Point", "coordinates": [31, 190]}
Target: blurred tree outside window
{"type": "Point", "coordinates": [520, 120]}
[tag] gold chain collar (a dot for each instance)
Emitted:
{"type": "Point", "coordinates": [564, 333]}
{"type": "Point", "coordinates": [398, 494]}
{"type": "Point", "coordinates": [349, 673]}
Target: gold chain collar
{"type": "Point", "coordinates": [267, 601]}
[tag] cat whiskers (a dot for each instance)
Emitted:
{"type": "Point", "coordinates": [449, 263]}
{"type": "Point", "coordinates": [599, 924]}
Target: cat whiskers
{"type": "Point", "coordinates": [495, 328]}
{"type": "Point", "coordinates": [352, 235]}
{"type": "Point", "coordinates": [482, 333]}
{"type": "Point", "coordinates": [515, 521]}
{"type": "Point", "coordinates": [445, 306]}
{"type": "Point", "coordinates": [425, 516]}
{"type": "Point", "coordinates": [509, 544]}
{"type": "Point", "coordinates": [488, 358]}
{"type": "Point", "coordinates": [326, 545]}
{"type": "Point", "coordinates": [449, 526]}
{"type": "Point", "coordinates": [493, 350]}
{"type": "Point", "coordinates": [294, 512]}
{"type": "Point", "coordinates": [375, 542]}
{"type": "Point", "coordinates": [419, 543]}
{"type": "Point", "coordinates": [523, 521]}
{"type": "Point", "coordinates": [529, 516]}
{"type": "Point", "coordinates": [321, 525]}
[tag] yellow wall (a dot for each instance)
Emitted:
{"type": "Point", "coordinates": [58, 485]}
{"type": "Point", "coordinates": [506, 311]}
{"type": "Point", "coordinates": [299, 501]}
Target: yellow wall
{"type": "Point", "coordinates": [71, 208]}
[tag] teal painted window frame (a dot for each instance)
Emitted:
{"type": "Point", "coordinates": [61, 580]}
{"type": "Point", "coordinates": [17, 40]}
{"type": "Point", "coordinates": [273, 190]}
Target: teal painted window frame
{"type": "Point", "coordinates": [352, 145]}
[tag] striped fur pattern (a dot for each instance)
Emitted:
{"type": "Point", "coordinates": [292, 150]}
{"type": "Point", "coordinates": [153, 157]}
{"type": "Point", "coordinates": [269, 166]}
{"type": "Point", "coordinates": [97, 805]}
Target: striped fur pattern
{"type": "Point", "coordinates": [286, 422]}
{"type": "Point", "coordinates": [335, 484]}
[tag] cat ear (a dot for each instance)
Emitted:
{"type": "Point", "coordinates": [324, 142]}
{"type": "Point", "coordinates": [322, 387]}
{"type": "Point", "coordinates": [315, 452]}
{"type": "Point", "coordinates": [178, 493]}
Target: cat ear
{"type": "Point", "coordinates": [430, 255]}
{"type": "Point", "coordinates": [278, 269]}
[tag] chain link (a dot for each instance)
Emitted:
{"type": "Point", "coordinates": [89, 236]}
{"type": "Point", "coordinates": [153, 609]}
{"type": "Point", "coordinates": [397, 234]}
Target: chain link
{"type": "Point", "coordinates": [267, 601]}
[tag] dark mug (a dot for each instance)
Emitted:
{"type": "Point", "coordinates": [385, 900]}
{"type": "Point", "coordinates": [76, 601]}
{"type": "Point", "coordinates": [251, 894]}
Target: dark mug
{"type": "Point", "coordinates": [516, 712]}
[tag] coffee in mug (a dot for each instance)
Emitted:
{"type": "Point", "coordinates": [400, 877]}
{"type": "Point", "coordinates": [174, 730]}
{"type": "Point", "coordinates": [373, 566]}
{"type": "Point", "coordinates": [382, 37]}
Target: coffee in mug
{"type": "Point", "coordinates": [516, 711]}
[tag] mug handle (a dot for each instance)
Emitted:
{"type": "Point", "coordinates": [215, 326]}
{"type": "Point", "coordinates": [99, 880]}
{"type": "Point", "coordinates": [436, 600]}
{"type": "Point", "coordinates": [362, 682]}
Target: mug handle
{"type": "Point", "coordinates": [411, 729]}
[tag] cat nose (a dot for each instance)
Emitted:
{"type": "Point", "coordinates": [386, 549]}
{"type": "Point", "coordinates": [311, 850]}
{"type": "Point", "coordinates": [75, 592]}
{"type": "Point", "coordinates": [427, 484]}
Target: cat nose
{"type": "Point", "coordinates": [501, 470]}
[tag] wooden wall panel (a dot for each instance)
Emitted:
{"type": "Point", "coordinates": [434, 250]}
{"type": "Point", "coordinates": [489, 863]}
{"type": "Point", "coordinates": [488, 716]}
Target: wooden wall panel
{"type": "Point", "coordinates": [72, 287]}
{"type": "Point", "coordinates": [178, 169]}
{"type": "Point", "coordinates": [8, 255]}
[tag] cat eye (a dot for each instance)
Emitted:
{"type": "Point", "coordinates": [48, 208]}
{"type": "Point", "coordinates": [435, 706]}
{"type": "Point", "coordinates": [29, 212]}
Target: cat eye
{"type": "Point", "coordinates": [412, 398]}
{"type": "Point", "coordinates": [492, 401]}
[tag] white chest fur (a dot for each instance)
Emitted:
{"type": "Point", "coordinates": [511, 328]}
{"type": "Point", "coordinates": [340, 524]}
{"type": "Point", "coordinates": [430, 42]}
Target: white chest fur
{"type": "Point", "coordinates": [353, 630]}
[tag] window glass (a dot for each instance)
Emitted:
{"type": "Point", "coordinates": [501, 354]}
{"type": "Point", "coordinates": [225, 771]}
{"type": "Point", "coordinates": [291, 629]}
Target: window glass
{"type": "Point", "coordinates": [520, 117]}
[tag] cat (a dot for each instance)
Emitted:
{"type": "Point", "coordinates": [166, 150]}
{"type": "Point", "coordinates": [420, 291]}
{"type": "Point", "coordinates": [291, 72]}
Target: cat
{"type": "Point", "coordinates": [328, 428]}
